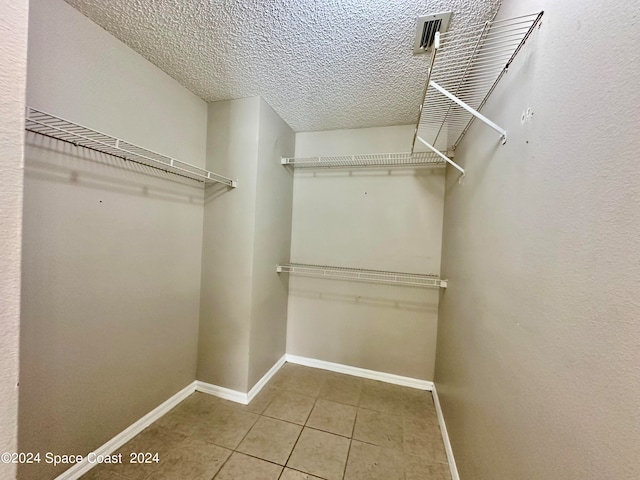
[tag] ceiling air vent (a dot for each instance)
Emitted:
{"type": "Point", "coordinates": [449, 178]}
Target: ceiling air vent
{"type": "Point", "coordinates": [426, 29]}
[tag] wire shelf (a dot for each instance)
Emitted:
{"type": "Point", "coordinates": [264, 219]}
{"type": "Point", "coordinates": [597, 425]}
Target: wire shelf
{"type": "Point", "coordinates": [359, 274]}
{"type": "Point", "coordinates": [469, 64]}
{"type": "Point", "coordinates": [386, 160]}
{"type": "Point", "coordinates": [55, 127]}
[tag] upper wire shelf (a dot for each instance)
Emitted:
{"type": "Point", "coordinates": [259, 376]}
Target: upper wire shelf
{"type": "Point", "coordinates": [389, 160]}
{"type": "Point", "coordinates": [363, 275]}
{"type": "Point", "coordinates": [52, 126]}
{"type": "Point", "coordinates": [468, 64]}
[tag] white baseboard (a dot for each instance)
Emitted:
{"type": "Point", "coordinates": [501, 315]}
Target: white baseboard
{"type": "Point", "coordinates": [236, 396]}
{"type": "Point", "coordinates": [361, 372]}
{"type": "Point", "coordinates": [389, 378]}
{"type": "Point", "coordinates": [244, 398]}
{"type": "Point", "coordinates": [123, 437]}
{"type": "Point", "coordinates": [266, 377]}
{"type": "Point", "coordinates": [445, 436]}
{"type": "Point", "coordinates": [221, 392]}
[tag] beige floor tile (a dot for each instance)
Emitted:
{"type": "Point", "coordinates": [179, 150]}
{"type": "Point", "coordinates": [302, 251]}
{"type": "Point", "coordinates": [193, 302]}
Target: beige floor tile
{"type": "Point", "coordinates": [422, 437]}
{"type": "Point", "coordinates": [382, 429]}
{"type": "Point", "coordinates": [278, 380]}
{"type": "Point", "coordinates": [304, 380]}
{"type": "Point", "coordinates": [193, 460]}
{"type": "Point", "coordinates": [132, 471]}
{"type": "Point", "coordinates": [333, 417]}
{"type": "Point", "coordinates": [243, 467]}
{"type": "Point", "coordinates": [201, 403]}
{"type": "Point", "coordinates": [378, 428]}
{"type": "Point", "coordinates": [262, 400]}
{"type": "Point", "coordinates": [419, 468]}
{"type": "Point", "coordinates": [291, 407]}
{"type": "Point", "coordinates": [226, 426]}
{"type": "Point", "coordinates": [382, 397]}
{"type": "Point", "coordinates": [418, 403]}
{"type": "Point", "coordinates": [320, 453]}
{"type": "Point", "coordinates": [270, 439]}
{"type": "Point", "coordinates": [289, 474]}
{"type": "Point", "coordinates": [370, 462]}
{"type": "Point", "coordinates": [194, 439]}
{"type": "Point", "coordinates": [181, 420]}
{"type": "Point", "coordinates": [154, 439]}
{"type": "Point", "coordinates": [342, 389]}
{"type": "Point", "coordinates": [291, 367]}
{"type": "Point", "coordinates": [101, 472]}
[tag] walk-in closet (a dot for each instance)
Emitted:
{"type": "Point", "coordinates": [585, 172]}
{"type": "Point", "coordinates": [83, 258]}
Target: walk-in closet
{"type": "Point", "coordinates": [334, 240]}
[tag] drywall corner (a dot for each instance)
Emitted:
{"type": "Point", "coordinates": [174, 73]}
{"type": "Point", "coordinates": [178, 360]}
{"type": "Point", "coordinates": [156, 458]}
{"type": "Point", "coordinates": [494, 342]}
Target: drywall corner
{"type": "Point", "coordinates": [227, 255]}
{"type": "Point", "coordinates": [271, 243]}
{"type": "Point", "coordinates": [13, 71]}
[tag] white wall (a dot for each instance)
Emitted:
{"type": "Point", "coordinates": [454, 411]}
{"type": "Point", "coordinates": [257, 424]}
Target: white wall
{"type": "Point", "coordinates": [80, 72]}
{"type": "Point", "coordinates": [375, 219]}
{"type": "Point", "coordinates": [246, 232]}
{"type": "Point", "coordinates": [112, 252]}
{"type": "Point", "coordinates": [271, 243]}
{"type": "Point", "coordinates": [13, 69]}
{"type": "Point", "coordinates": [538, 365]}
{"type": "Point", "coordinates": [227, 259]}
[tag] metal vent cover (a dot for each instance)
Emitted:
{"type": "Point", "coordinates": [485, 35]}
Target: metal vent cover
{"type": "Point", "coordinates": [426, 28]}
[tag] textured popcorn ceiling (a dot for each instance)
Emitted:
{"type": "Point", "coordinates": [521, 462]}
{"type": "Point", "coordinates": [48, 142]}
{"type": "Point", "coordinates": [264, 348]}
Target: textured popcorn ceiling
{"type": "Point", "coordinates": [322, 64]}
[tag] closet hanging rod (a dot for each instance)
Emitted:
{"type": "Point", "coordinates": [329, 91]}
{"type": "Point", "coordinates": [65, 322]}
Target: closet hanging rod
{"type": "Point", "coordinates": [380, 160]}
{"type": "Point", "coordinates": [55, 127]}
{"type": "Point", "coordinates": [363, 275]}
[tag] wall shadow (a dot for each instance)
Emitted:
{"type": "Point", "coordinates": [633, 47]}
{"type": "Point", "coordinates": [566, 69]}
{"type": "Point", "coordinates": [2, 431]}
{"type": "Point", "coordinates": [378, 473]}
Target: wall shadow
{"type": "Point", "coordinates": [56, 161]}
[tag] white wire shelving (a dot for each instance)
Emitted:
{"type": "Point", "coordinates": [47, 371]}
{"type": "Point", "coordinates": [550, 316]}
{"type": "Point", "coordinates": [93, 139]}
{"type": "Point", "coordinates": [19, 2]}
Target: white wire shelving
{"type": "Point", "coordinates": [363, 275]}
{"type": "Point", "coordinates": [373, 160]}
{"type": "Point", "coordinates": [466, 65]}
{"type": "Point", "coordinates": [58, 128]}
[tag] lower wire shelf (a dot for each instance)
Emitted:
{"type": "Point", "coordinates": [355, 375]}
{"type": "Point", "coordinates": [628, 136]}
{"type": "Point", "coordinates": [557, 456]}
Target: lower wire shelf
{"type": "Point", "coordinates": [363, 275]}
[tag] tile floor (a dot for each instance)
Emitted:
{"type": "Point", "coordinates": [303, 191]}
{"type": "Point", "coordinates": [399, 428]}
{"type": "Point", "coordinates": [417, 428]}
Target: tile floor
{"type": "Point", "coordinates": [305, 424]}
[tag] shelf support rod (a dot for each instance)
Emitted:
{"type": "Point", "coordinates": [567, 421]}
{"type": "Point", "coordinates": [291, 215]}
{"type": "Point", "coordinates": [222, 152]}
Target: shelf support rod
{"type": "Point", "coordinates": [436, 46]}
{"type": "Point", "coordinates": [440, 154]}
{"type": "Point", "coordinates": [471, 110]}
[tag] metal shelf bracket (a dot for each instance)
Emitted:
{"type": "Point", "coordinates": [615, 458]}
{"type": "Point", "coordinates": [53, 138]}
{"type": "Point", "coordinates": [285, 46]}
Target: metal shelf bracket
{"type": "Point", "coordinates": [471, 110]}
{"type": "Point", "coordinates": [471, 60]}
{"type": "Point", "coordinates": [441, 155]}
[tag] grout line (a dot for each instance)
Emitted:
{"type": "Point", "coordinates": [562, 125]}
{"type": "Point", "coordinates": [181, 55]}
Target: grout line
{"type": "Point", "coordinates": [305, 425]}
{"type": "Point", "coordinates": [258, 458]}
{"type": "Point", "coordinates": [222, 466]}
{"type": "Point", "coordinates": [268, 403]}
{"type": "Point", "coordinates": [234, 450]}
{"type": "Point", "coordinates": [298, 438]}
{"type": "Point", "coordinates": [346, 462]}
